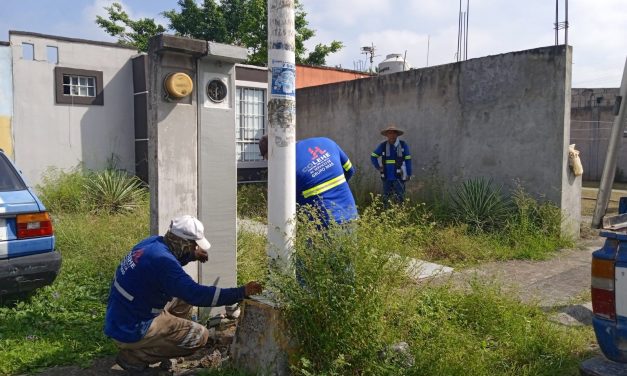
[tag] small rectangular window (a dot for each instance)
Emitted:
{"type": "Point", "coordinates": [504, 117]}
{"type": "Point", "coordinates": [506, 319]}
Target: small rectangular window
{"type": "Point", "coordinates": [79, 86]}
{"type": "Point", "coordinates": [28, 51]}
{"type": "Point", "coordinates": [52, 54]}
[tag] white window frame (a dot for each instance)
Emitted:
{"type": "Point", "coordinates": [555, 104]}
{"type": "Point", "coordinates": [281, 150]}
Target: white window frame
{"type": "Point", "coordinates": [252, 85]}
{"type": "Point", "coordinates": [79, 86]}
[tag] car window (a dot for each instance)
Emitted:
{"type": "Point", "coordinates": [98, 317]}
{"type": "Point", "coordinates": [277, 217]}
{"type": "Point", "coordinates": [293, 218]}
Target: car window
{"type": "Point", "coordinates": [9, 178]}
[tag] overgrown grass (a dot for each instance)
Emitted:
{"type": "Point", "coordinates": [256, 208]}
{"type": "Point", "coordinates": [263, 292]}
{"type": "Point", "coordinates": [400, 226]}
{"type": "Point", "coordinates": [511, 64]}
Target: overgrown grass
{"type": "Point", "coordinates": [252, 201]}
{"type": "Point", "coordinates": [252, 263]}
{"type": "Point", "coordinates": [62, 323]}
{"type": "Point", "coordinates": [355, 303]}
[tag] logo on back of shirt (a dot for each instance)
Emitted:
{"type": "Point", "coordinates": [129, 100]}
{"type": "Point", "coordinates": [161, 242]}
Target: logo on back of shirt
{"type": "Point", "coordinates": [316, 152]}
{"type": "Point", "coordinates": [137, 255]}
{"type": "Point", "coordinates": [131, 260]}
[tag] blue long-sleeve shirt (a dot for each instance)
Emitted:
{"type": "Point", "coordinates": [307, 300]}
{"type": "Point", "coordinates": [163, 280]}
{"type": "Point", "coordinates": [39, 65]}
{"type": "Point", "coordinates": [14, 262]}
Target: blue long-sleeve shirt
{"type": "Point", "coordinates": [397, 153]}
{"type": "Point", "coordinates": [322, 172]}
{"type": "Point", "coordinates": [146, 279]}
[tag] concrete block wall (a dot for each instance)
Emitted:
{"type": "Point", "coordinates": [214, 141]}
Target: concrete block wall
{"type": "Point", "coordinates": [504, 117]}
{"type": "Point", "coordinates": [592, 117]}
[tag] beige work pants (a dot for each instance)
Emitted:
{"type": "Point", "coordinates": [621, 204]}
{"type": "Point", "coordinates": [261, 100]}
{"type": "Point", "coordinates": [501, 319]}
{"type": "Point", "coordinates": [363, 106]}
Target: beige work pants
{"type": "Point", "coordinates": [170, 335]}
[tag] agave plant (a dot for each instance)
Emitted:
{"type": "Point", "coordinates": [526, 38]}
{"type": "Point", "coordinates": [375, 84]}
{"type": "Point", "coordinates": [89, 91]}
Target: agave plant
{"type": "Point", "coordinates": [479, 204]}
{"type": "Point", "coordinates": [113, 191]}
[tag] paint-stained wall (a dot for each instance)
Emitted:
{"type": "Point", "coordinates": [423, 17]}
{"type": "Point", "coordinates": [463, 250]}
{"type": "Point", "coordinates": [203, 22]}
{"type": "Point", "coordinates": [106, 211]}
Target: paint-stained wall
{"type": "Point", "coordinates": [6, 100]}
{"type": "Point", "coordinates": [505, 117]}
{"type": "Point", "coordinates": [47, 133]}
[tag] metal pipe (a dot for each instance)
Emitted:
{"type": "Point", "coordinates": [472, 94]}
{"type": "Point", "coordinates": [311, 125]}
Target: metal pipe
{"type": "Point", "coordinates": [466, 42]}
{"type": "Point", "coordinates": [566, 23]}
{"type": "Point", "coordinates": [609, 169]}
{"type": "Point", "coordinates": [556, 22]}
{"type": "Point", "coordinates": [281, 131]}
{"type": "Point", "coordinates": [428, 42]}
{"type": "Point", "coordinates": [459, 29]}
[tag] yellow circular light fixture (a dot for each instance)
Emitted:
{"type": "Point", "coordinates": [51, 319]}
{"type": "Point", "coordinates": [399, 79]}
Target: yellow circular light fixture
{"type": "Point", "coordinates": [178, 85]}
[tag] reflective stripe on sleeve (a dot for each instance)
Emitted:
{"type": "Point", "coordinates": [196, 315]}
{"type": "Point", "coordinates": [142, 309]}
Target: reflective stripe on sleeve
{"type": "Point", "coordinates": [320, 188]}
{"type": "Point", "coordinates": [216, 296]}
{"type": "Point", "coordinates": [123, 292]}
{"type": "Point", "coordinates": [390, 161]}
{"type": "Point", "coordinates": [375, 155]}
{"type": "Point", "coordinates": [408, 157]}
{"type": "Point", "coordinates": [347, 166]}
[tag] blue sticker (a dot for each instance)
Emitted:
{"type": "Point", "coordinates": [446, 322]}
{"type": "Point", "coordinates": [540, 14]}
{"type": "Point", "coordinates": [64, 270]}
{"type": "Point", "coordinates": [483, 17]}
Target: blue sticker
{"type": "Point", "coordinates": [283, 79]}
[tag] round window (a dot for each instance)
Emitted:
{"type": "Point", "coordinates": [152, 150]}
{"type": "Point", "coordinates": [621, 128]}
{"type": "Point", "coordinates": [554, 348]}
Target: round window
{"type": "Point", "coordinates": [216, 90]}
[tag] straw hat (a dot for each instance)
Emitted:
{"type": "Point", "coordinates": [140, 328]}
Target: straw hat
{"type": "Point", "coordinates": [392, 128]}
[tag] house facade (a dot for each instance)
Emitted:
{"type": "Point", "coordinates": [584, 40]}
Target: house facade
{"type": "Point", "coordinates": [69, 102]}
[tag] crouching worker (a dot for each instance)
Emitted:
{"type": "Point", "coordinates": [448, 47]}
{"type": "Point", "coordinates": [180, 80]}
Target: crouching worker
{"type": "Point", "coordinates": [151, 298]}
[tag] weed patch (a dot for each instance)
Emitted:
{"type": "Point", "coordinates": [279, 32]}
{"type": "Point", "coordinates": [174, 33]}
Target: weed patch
{"type": "Point", "coordinates": [62, 323]}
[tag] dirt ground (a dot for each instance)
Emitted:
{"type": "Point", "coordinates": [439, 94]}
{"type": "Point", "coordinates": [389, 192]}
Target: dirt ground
{"type": "Point", "coordinates": [215, 354]}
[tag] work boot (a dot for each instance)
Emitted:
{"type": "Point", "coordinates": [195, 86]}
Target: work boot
{"type": "Point", "coordinates": [130, 367]}
{"type": "Point", "coordinates": [165, 364]}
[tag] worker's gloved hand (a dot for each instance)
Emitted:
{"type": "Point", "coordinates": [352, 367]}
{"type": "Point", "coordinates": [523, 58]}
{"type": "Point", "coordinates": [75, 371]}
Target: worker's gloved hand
{"type": "Point", "coordinates": [201, 255]}
{"type": "Point", "coordinates": [252, 288]}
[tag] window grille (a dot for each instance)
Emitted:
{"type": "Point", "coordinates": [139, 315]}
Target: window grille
{"type": "Point", "coordinates": [250, 122]}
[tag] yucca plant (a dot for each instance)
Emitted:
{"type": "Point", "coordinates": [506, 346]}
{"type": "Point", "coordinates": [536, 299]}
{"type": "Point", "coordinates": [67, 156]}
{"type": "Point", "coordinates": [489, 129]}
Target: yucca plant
{"type": "Point", "coordinates": [112, 191]}
{"type": "Point", "coordinates": [479, 204]}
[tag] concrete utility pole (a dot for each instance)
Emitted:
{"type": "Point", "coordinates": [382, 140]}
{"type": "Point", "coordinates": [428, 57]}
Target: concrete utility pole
{"type": "Point", "coordinates": [609, 169]}
{"type": "Point", "coordinates": [282, 130]}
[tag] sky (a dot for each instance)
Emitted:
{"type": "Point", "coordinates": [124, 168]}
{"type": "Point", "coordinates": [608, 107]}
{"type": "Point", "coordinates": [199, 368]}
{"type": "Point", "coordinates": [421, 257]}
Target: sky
{"type": "Point", "coordinates": [425, 31]}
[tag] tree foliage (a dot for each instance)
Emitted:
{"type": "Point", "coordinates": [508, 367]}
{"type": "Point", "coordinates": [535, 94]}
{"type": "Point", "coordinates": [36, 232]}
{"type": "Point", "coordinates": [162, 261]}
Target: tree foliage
{"type": "Point", "coordinates": [239, 22]}
{"type": "Point", "coordinates": [119, 23]}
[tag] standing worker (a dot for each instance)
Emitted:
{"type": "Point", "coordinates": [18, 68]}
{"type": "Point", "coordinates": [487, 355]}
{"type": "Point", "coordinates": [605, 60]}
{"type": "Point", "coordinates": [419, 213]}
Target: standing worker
{"type": "Point", "coordinates": [149, 302]}
{"type": "Point", "coordinates": [395, 167]}
{"type": "Point", "coordinates": [322, 174]}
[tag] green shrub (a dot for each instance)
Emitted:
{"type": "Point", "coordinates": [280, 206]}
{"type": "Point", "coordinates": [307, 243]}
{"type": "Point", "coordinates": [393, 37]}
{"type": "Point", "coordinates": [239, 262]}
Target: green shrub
{"type": "Point", "coordinates": [62, 191]}
{"type": "Point", "coordinates": [112, 191]}
{"type": "Point", "coordinates": [534, 228]}
{"type": "Point", "coordinates": [252, 201]}
{"type": "Point", "coordinates": [479, 205]}
{"type": "Point", "coordinates": [337, 315]}
{"type": "Point", "coordinates": [355, 302]}
{"type": "Point", "coordinates": [252, 263]}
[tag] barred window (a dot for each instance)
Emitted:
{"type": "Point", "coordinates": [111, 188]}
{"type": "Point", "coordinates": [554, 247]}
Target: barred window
{"type": "Point", "coordinates": [250, 122]}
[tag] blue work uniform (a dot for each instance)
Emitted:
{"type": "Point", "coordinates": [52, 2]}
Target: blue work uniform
{"type": "Point", "coordinates": [146, 279]}
{"type": "Point", "coordinates": [396, 161]}
{"type": "Point", "coordinates": [322, 172]}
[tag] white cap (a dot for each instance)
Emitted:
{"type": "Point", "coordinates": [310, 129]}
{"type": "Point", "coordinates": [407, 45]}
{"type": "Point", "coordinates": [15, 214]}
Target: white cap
{"type": "Point", "coordinates": [190, 228]}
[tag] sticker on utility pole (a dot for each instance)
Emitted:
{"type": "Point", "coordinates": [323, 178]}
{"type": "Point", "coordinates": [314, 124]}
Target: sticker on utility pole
{"type": "Point", "coordinates": [283, 79]}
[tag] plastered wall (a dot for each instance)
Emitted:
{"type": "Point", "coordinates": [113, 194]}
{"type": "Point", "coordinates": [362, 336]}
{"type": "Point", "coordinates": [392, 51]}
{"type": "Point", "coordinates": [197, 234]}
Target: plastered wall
{"type": "Point", "coordinates": [503, 117]}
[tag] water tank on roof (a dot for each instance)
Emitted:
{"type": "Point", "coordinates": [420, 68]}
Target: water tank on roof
{"type": "Point", "coordinates": [393, 63]}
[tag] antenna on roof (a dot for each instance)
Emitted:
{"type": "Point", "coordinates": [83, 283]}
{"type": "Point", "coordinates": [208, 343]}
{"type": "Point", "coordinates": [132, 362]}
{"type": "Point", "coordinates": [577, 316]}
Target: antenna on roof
{"type": "Point", "coordinates": [369, 50]}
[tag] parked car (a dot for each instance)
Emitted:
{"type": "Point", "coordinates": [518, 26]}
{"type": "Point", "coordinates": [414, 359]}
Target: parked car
{"type": "Point", "coordinates": [28, 257]}
{"type": "Point", "coordinates": [609, 287]}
